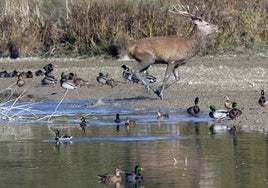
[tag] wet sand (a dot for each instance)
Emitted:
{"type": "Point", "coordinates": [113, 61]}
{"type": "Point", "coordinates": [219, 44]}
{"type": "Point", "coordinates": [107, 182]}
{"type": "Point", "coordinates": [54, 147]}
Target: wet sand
{"type": "Point", "coordinates": [211, 78]}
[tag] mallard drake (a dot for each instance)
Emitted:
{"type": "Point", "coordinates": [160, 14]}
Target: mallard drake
{"type": "Point", "coordinates": [65, 84]}
{"type": "Point", "coordinates": [227, 103]}
{"type": "Point", "coordinates": [47, 80]}
{"type": "Point", "coordinates": [128, 75]}
{"type": "Point", "coordinates": [132, 177]}
{"type": "Point", "coordinates": [262, 100]}
{"type": "Point", "coordinates": [217, 114]}
{"type": "Point", "coordinates": [117, 118]}
{"type": "Point", "coordinates": [63, 138]}
{"type": "Point", "coordinates": [149, 77]}
{"type": "Point", "coordinates": [194, 110]}
{"type": "Point", "coordinates": [111, 178]}
{"type": "Point", "coordinates": [101, 78]}
{"type": "Point", "coordinates": [234, 113]}
{"type": "Point", "coordinates": [160, 115]}
{"type": "Point", "coordinates": [83, 124]}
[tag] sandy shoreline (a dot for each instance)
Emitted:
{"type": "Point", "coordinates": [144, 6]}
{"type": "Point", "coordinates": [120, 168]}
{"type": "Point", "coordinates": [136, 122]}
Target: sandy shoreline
{"type": "Point", "coordinates": [241, 77]}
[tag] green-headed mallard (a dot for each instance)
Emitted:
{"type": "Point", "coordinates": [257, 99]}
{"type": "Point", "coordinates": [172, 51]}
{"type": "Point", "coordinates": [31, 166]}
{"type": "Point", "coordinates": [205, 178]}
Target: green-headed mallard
{"type": "Point", "coordinates": [228, 103]}
{"type": "Point", "coordinates": [65, 84]}
{"type": "Point", "coordinates": [83, 124]}
{"type": "Point", "coordinates": [128, 75]}
{"type": "Point", "coordinates": [111, 178]}
{"type": "Point", "coordinates": [262, 100]}
{"type": "Point", "coordinates": [117, 118]}
{"type": "Point", "coordinates": [160, 115]}
{"type": "Point", "coordinates": [194, 110]}
{"type": "Point", "coordinates": [132, 177]}
{"type": "Point", "coordinates": [234, 113]}
{"type": "Point", "coordinates": [217, 114]}
{"type": "Point", "coordinates": [102, 78]}
{"type": "Point", "coordinates": [63, 138]}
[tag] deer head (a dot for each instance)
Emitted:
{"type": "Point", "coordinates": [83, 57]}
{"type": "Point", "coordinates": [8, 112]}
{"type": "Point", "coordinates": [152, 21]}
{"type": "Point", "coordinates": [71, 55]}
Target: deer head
{"type": "Point", "coordinates": [204, 27]}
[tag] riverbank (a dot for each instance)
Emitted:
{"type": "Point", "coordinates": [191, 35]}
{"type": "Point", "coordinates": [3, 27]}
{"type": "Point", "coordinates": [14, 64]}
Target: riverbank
{"type": "Point", "coordinates": [211, 78]}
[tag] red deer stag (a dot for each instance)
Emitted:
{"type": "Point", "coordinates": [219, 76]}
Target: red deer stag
{"type": "Point", "coordinates": [172, 50]}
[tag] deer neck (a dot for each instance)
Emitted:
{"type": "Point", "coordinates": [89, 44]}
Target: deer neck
{"type": "Point", "coordinates": [197, 41]}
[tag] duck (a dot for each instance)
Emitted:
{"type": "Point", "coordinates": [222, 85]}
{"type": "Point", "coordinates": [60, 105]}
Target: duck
{"type": "Point", "coordinates": [83, 124]}
{"type": "Point", "coordinates": [128, 75]}
{"type": "Point", "coordinates": [194, 110]}
{"type": "Point", "coordinates": [29, 74]}
{"type": "Point", "coordinates": [48, 68]}
{"type": "Point", "coordinates": [149, 77]}
{"type": "Point", "coordinates": [262, 100]}
{"type": "Point", "coordinates": [21, 79]}
{"type": "Point", "coordinates": [58, 137]}
{"type": "Point", "coordinates": [130, 123]}
{"type": "Point", "coordinates": [111, 178]}
{"type": "Point", "coordinates": [48, 80]}
{"type": "Point", "coordinates": [78, 81]}
{"type": "Point", "coordinates": [132, 177]}
{"type": "Point", "coordinates": [160, 115]}
{"type": "Point", "coordinates": [65, 84]}
{"type": "Point", "coordinates": [227, 103]}
{"type": "Point", "coordinates": [39, 73]}
{"type": "Point", "coordinates": [234, 113]}
{"type": "Point", "coordinates": [217, 114]}
{"type": "Point", "coordinates": [117, 118]}
{"type": "Point", "coordinates": [101, 78]}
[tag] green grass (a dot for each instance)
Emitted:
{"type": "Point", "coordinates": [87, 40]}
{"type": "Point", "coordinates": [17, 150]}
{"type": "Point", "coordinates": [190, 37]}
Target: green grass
{"type": "Point", "coordinates": [106, 27]}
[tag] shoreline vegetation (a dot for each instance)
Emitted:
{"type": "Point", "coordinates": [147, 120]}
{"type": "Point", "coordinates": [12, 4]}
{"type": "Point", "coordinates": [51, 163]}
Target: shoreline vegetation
{"type": "Point", "coordinates": [41, 28]}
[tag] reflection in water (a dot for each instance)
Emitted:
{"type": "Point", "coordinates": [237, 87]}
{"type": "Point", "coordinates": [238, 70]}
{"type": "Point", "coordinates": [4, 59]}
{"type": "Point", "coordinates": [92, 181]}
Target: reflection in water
{"type": "Point", "coordinates": [173, 152]}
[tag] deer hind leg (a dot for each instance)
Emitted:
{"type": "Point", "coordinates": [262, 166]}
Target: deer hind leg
{"type": "Point", "coordinates": [138, 71]}
{"type": "Point", "coordinates": [170, 77]}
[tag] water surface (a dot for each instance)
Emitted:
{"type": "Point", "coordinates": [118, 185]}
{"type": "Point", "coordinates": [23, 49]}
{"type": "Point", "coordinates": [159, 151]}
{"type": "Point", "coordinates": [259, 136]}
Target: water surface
{"type": "Point", "coordinates": [179, 152]}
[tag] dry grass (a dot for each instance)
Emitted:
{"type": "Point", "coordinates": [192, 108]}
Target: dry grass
{"type": "Point", "coordinates": [80, 27]}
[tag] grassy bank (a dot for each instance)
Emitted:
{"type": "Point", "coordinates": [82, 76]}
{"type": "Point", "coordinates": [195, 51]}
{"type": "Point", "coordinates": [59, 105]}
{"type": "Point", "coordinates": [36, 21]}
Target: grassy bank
{"type": "Point", "coordinates": [78, 27]}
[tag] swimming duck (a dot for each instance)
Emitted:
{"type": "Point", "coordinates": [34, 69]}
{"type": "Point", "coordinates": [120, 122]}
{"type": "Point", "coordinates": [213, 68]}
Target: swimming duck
{"type": "Point", "coordinates": [61, 138]}
{"type": "Point", "coordinates": [217, 114]}
{"type": "Point", "coordinates": [227, 103]}
{"type": "Point", "coordinates": [83, 124]}
{"type": "Point", "coordinates": [117, 118]}
{"type": "Point", "coordinates": [194, 110]}
{"type": "Point", "coordinates": [130, 123]}
{"type": "Point", "coordinates": [262, 100]}
{"type": "Point", "coordinates": [132, 177]}
{"type": "Point", "coordinates": [111, 178]}
{"type": "Point", "coordinates": [160, 115]}
{"type": "Point", "coordinates": [234, 113]}
{"type": "Point", "coordinates": [65, 84]}
{"type": "Point", "coordinates": [128, 75]}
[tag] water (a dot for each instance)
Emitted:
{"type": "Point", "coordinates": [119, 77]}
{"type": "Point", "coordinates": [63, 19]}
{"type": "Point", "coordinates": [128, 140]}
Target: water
{"type": "Point", "coordinates": [179, 152]}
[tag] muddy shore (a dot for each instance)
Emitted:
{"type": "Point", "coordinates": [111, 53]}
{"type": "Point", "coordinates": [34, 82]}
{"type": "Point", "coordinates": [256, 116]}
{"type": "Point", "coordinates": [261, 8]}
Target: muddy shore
{"type": "Point", "coordinates": [241, 77]}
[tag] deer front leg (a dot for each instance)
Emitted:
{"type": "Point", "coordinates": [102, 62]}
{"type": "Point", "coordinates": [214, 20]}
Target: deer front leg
{"type": "Point", "coordinates": [173, 78]}
{"type": "Point", "coordinates": [138, 72]}
{"type": "Point", "coordinates": [169, 72]}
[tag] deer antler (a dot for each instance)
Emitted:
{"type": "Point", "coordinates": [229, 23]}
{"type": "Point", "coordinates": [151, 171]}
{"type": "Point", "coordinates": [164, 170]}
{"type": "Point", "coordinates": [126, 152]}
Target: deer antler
{"type": "Point", "coordinates": [185, 12]}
